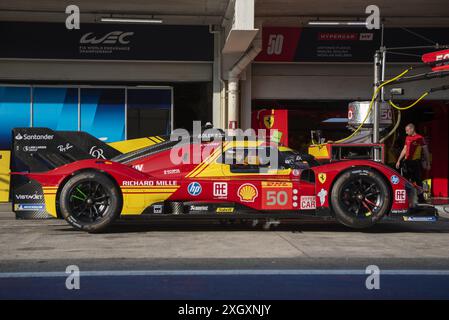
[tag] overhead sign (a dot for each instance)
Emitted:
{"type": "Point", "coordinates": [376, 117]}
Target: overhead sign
{"type": "Point", "coordinates": [338, 44]}
{"type": "Point", "coordinates": [95, 41]}
{"type": "Point", "coordinates": [317, 44]}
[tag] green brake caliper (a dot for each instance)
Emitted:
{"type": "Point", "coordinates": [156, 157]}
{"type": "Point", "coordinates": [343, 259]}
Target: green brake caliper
{"type": "Point", "coordinates": [78, 197]}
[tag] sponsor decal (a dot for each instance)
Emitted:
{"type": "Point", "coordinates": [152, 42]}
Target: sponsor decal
{"type": "Point", "coordinates": [307, 202]}
{"type": "Point", "coordinates": [29, 207]}
{"type": "Point", "coordinates": [394, 179]}
{"type": "Point", "coordinates": [247, 192]}
{"type": "Point", "coordinates": [296, 172]}
{"type": "Point", "coordinates": [138, 167]}
{"type": "Point", "coordinates": [35, 196]}
{"type": "Point", "coordinates": [225, 210]}
{"type": "Point", "coordinates": [276, 184]}
{"type": "Point", "coordinates": [157, 208]}
{"type": "Point", "coordinates": [220, 189]}
{"type": "Point", "coordinates": [148, 183]}
{"type": "Point", "coordinates": [400, 195]}
{"type": "Point", "coordinates": [277, 195]}
{"type": "Point", "coordinates": [198, 208]}
{"type": "Point", "coordinates": [194, 189]}
{"type": "Point", "coordinates": [64, 148]}
{"type": "Point", "coordinates": [322, 177]}
{"type": "Point", "coordinates": [97, 152]}
{"type": "Point", "coordinates": [322, 195]}
{"type": "Point", "coordinates": [34, 136]}
{"type": "Point", "coordinates": [419, 219]}
{"type": "Point", "coordinates": [172, 171]}
{"type": "Point", "coordinates": [401, 211]}
{"type": "Point", "coordinates": [33, 148]}
{"type": "Point", "coordinates": [136, 183]}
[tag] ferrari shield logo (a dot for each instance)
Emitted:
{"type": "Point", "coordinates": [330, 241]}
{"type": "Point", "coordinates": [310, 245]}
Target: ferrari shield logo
{"type": "Point", "coordinates": [322, 177]}
{"type": "Point", "coordinates": [268, 121]}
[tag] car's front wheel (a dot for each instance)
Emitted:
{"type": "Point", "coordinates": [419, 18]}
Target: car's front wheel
{"type": "Point", "coordinates": [90, 201]}
{"type": "Point", "coordinates": [360, 197]}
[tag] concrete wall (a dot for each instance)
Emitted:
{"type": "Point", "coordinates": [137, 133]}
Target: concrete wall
{"type": "Point", "coordinates": [331, 81]}
{"type": "Point", "coordinates": [123, 71]}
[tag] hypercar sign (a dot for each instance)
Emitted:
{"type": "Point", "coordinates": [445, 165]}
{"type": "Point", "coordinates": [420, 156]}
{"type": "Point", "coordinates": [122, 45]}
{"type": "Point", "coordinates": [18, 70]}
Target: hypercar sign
{"type": "Point", "coordinates": [334, 44]}
{"type": "Point", "coordinates": [317, 44]}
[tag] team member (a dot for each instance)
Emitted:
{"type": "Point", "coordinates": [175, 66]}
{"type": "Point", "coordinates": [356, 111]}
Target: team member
{"type": "Point", "coordinates": [414, 148]}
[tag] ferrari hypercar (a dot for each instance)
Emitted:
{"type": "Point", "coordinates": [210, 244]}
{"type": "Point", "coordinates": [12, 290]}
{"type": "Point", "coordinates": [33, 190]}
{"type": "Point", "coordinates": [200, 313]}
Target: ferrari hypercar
{"type": "Point", "coordinates": [93, 192]}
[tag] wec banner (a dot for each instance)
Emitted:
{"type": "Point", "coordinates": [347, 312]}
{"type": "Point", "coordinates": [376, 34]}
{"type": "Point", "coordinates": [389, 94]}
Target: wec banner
{"type": "Point", "coordinates": [106, 42]}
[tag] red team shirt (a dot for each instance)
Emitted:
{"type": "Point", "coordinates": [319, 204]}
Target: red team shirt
{"type": "Point", "coordinates": [414, 147]}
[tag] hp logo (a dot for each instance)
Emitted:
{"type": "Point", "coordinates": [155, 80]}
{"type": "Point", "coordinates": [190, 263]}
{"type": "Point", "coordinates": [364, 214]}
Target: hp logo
{"type": "Point", "coordinates": [394, 179]}
{"type": "Point", "coordinates": [194, 189]}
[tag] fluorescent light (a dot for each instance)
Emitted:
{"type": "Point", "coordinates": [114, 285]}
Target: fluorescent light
{"type": "Point", "coordinates": [335, 120]}
{"type": "Point", "coordinates": [131, 20]}
{"type": "Point", "coordinates": [336, 23]}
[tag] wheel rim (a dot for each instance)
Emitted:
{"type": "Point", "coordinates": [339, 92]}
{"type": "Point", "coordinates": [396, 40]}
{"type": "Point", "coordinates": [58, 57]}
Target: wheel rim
{"type": "Point", "coordinates": [362, 197]}
{"type": "Point", "coordinates": [88, 201]}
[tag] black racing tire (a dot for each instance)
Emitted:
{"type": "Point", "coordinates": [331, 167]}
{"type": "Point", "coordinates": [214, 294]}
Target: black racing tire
{"type": "Point", "coordinates": [360, 197]}
{"type": "Point", "coordinates": [90, 201]}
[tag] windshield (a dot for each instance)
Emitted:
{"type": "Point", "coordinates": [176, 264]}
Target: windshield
{"type": "Point", "coordinates": [295, 160]}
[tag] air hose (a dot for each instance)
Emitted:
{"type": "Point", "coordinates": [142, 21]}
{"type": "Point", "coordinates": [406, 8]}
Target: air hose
{"type": "Point", "coordinates": [376, 92]}
{"type": "Point", "coordinates": [411, 105]}
{"type": "Point", "coordinates": [398, 121]}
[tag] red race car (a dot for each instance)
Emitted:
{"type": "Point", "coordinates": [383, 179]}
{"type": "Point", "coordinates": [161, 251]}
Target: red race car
{"type": "Point", "coordinates": [230, 179]}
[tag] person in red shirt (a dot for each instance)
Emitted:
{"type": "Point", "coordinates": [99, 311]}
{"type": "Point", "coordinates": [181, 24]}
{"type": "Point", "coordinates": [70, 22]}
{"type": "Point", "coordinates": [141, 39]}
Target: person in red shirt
{"type": "Point", "coordinates": [414, 149]}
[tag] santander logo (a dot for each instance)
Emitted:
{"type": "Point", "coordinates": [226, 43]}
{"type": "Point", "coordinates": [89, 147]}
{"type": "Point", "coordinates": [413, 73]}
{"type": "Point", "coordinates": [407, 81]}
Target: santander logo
{"type": "Point", "coordinates": [113, 37]}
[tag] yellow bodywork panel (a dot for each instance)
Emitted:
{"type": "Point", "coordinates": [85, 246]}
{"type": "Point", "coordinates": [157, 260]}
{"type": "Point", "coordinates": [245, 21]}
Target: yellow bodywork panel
{"type": "Point", "coordinates": [137, 199]}
{"type": "Point", "coordinates": [212, 167]}
{"type": "Point", "coordinates": [5, 157]}
{"type": "Point", "coordinates": [319, 151]}
{"type": "Point", "coordinates": [135, 144]}
{"type": "Point", "coordinates": [50, 200]}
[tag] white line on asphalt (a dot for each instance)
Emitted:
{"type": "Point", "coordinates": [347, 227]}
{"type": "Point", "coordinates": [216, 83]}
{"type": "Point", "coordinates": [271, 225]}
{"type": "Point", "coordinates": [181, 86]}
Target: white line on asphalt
{"type": "Point", "coordinates": [120, 273]}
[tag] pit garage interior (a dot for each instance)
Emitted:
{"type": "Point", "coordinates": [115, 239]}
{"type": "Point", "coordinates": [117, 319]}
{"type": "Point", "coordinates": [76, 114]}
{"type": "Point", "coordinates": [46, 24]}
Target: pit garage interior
{"type": "Point", "coordinates": [221, 61]}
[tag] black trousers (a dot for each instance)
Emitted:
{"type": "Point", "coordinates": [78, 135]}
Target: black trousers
{"type": "Point", "coordinates": [412, 171]}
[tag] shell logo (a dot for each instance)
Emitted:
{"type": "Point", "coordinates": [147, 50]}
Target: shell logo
{"type": "Point", "coordinates": [247, 192]}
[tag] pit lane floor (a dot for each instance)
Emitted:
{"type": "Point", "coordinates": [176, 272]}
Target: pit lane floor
{"type": "Point", "coordinates": [199, 260]}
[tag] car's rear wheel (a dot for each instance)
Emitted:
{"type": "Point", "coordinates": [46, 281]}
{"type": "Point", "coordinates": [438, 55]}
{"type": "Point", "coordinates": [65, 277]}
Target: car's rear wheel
{"type": "Point", "coordinates": [360, 197]}
{"type": "Point", "coordinates": [90, 201]}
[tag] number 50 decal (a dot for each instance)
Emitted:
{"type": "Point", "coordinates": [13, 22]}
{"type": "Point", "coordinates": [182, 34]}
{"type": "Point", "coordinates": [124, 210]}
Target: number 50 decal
{"type": "Point", "coordinates": [276, 199]}
{"type": "Point", "coordinates": [275, 43]}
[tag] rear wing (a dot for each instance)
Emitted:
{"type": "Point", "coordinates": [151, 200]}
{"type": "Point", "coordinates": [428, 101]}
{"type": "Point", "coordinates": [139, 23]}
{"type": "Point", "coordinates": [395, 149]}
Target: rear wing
{"type": "Point", "coordinates": [43, 149]}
